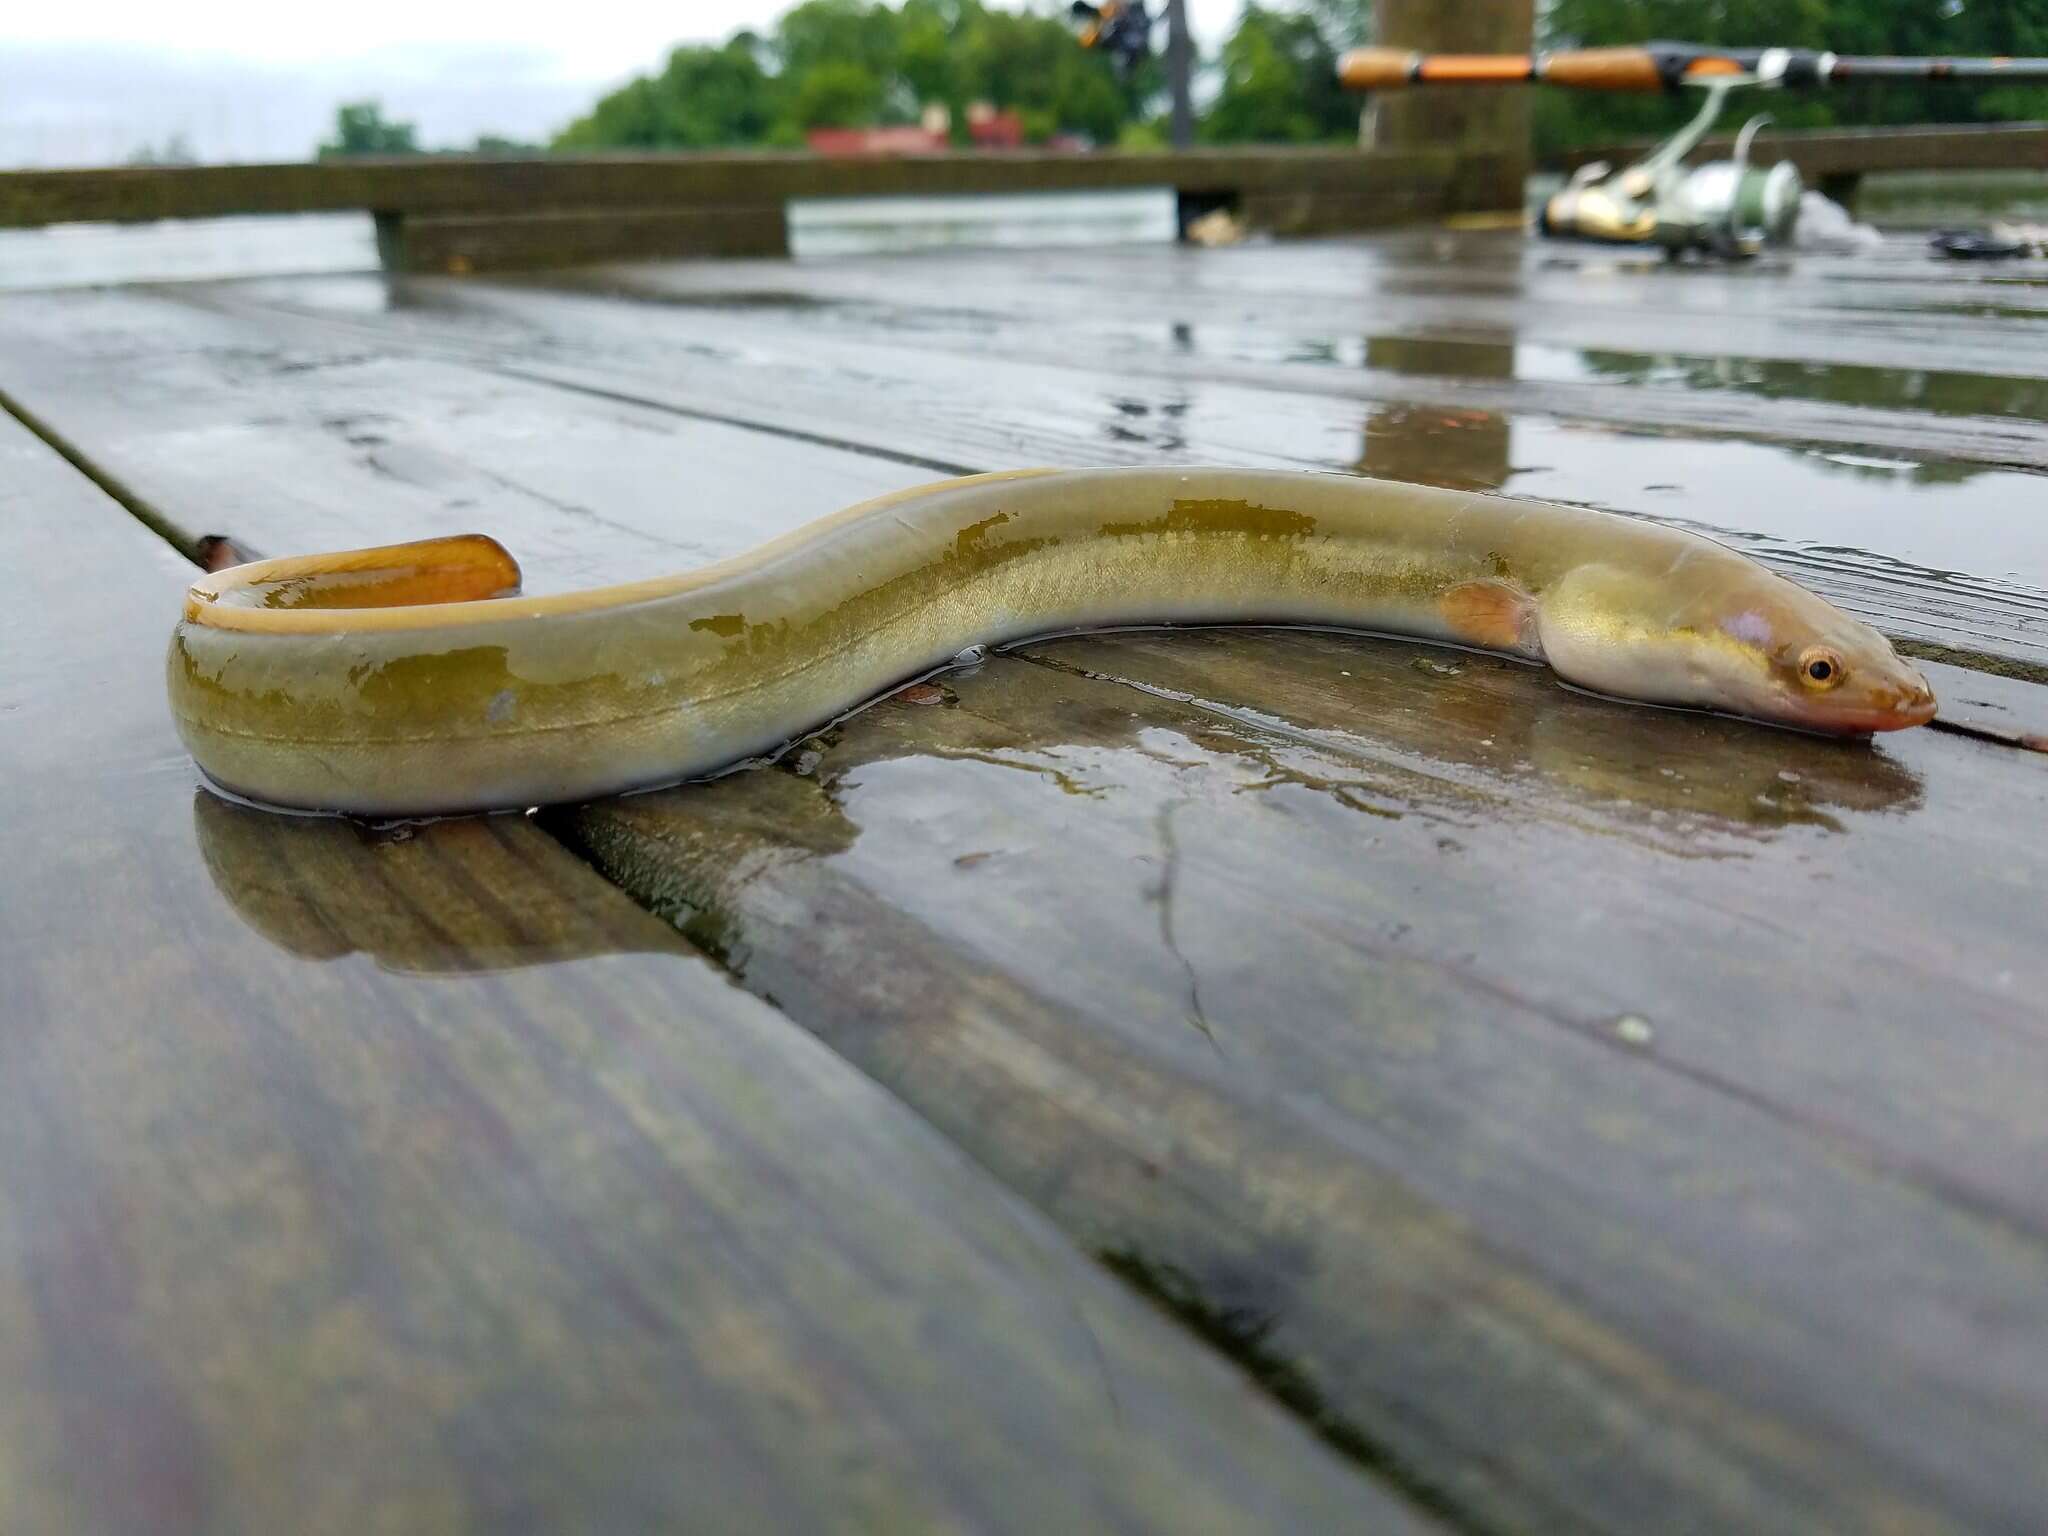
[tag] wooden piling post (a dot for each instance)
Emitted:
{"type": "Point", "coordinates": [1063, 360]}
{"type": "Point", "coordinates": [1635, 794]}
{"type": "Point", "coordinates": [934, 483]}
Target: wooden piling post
{"type": "Point", "coordinates": [1179, 74]}
{"type": "Point", "coordinates": [1490, 118]}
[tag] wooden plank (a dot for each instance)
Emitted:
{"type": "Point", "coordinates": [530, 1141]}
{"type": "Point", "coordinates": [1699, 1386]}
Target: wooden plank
{"type": "Point", "coordinates": [770, 358]}
{"type": "Point", "coordinates": [496, 242]}
{"type": "Point", "coordinates": [418, 1180]}
{"type": "Point", "coordinates": [1541, 1202]}
{"type": "Point", "coordinates": [1484, 287]}
{"type": "Point", "coordinates": [1501, 118]}
{"type": "Point", "coordinates": [1598, 307]}
{"type": "Point", "coordinates": [217, 425]}
{"type": "Point", "coordinates": [1516, 1075]}
{"type": "Point", "coordinates": [1322, 213]}
{"type": "Point", "coordinates": [1981, 420]}
{"type": "Point", "coordinates": [467, 184]}
{"type": "Point", "coordinates": [1991, 705]}
{"type": "Point", "coordinates": [1226, 310]}
{"type": "Point", "coordinates": [1822, 152]}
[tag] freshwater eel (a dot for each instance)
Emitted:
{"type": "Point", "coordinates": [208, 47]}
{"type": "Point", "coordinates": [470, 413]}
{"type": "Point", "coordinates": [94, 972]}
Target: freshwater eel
{"type": "Point", "coordinates": [413, 680]}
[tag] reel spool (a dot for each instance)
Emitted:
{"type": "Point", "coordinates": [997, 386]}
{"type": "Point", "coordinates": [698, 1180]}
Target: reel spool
{"type": "Point", "coordinates": [1727, 208]}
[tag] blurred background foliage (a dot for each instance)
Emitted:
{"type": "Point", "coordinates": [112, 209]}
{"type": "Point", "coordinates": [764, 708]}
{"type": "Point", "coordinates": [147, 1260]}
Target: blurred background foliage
{"type": "Point", "coordinates": [1913, 27]}
{"type": "Point", "coordinates": [858, 63]}
{"type": "Point", "coordinates": [861, 63]}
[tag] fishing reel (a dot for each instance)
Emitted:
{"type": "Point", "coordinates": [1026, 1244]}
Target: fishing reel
{"type": "Point", "coordinates": [1727, 208]}
{"type": "Point", "coordinates": [1120, 28]}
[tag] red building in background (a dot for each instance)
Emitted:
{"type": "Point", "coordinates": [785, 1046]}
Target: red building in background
{"type": "Point", "coordinates": [986, 128]}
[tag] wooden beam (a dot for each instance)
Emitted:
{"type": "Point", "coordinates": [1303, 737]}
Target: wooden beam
{"type": "Point", "coordinates": [1828, 152]}
{"type": "Point", "coordinates": [1448, 118]}
{"type": "Point", "coordinates": [491, 242]}
{"type": "Point", "coordinates": [465, 185]}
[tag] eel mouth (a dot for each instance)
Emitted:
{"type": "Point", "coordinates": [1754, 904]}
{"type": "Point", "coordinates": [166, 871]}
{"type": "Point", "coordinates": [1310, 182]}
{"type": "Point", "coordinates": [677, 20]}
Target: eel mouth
{"type": "Point", "coordinates": [1911, 703]}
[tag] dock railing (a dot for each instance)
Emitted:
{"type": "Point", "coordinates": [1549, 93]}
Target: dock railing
{"type": "Point", "coordinates": [1837, 159]}
{"type": "Point", "coordinates": [462, 213]}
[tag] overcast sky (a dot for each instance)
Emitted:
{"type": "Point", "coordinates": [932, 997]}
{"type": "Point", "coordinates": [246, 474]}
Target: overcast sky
{"type": "Point", "coordinates": [89, 83]}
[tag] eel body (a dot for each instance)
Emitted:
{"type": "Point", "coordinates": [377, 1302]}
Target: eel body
{"type": "Point", "coordinates": [413, 680]}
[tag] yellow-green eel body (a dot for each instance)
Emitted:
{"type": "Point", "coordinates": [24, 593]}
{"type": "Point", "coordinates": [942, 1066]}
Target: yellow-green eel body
{"type": "Point", "coordinates": [411, 680]}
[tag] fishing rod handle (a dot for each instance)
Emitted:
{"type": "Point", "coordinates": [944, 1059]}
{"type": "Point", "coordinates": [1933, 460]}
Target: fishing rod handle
{"type": "Point", "coordinates": [1598, 69]}
{"type": "Point", "coordinates": [1651, 67]}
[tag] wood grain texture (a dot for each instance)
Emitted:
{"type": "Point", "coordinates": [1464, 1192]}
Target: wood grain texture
{"type": "Point", "coordinates": [454, 184]}
{"type": "Point", "coordinates": [288, 442]}
{"type": "Point", "coordinates": [1491, 116]}
{"type": "Point", "coordinates": [499, 242]}
{"type": "Point", "coordinates": [418, 1181]}
{"type": "Point", "coordinates": [469, 185]}
{"type": "Point", "coordinates": [1584, 1117]}
{"type": "Point", "coordinates": [1541, 1088]}
{"type": "Point", "coordinates": [1991, 705]}
{"type": "Point", "coordinates": [1302, 213]}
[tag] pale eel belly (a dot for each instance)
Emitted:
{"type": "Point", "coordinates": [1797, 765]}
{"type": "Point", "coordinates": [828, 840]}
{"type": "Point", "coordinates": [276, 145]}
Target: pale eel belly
{"type": "Point", "coordinates": [412, 680]}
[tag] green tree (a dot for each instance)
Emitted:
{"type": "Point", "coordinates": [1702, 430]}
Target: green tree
{"type": "Point", "coordinates": [718, 95]}
{"type": "Point", "coordinates": [360, 128]}
{"type": "Point", "coordinates": [629, 118]}
{"type": "Point", "coordinates": [499, 144]}
{"type": "Point", "coordinates": [846, 63]}
{"type": "Point", "coordinates": [924, 52]}
{"type": "Point", "coordinates": [1279, 83]}
{"type": "Point", "coordinates": [825, 32]}
{"type": "Point", "coordinates": [836, 93]}
{"type": "Point", "coordinates": [175, 150]}
{"type": "Point", "coordinates": [702, 99]}
{"type": "Point", "coordinates": [1031, 64]}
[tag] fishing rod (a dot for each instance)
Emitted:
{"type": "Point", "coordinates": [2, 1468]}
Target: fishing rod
{"type": "Point", "coordinates": [1662, 67]}
{"type": "Point", "coordinates": [1121, 28]}
{"type": "Point", "coordinates": [1726, 207]}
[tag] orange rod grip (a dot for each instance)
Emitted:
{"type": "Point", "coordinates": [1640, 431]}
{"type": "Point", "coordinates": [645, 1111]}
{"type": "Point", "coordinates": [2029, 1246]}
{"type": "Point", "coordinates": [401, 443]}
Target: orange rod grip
{"type": "Point", "coordinates": [1476, 69]}
{"type": "Point", "coordinates": [1589, 69]}
{"type": "Point", "coordinates": [1375, 69]}
{"type": "Point", "coordinates": [1603, 69]}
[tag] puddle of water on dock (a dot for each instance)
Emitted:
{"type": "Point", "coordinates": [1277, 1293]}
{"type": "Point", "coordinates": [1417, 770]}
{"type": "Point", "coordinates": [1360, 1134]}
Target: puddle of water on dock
{"type": "Point", "coordinates": [1448, 766]}
{"type": "Point", "coordinates": [1938, 392]}
{"type": "Point", "coordinates": [1918, 389]}
{"type": "Point", "coordinates": [1941, 517]}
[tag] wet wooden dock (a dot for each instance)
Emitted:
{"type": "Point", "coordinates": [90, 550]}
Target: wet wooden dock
{"type": "Point", "coordinates": [1208, 1081]}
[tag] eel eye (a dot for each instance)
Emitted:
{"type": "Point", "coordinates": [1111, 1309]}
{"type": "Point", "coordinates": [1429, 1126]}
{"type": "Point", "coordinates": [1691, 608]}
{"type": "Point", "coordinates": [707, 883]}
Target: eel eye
{"type": "Point", "coordinates": [1820, 667]}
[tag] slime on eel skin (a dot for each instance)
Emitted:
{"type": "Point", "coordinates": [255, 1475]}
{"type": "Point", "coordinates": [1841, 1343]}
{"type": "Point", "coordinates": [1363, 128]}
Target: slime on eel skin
{"type": "Point", "coordinates": [408, 680]}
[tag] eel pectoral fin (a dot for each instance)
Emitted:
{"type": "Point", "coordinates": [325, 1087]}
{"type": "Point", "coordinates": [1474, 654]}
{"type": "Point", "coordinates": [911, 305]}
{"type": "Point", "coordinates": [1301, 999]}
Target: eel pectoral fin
{"type": "Point", "coordinates": [464, 568]}
{"type": "Point", "coordinates": [1492, 614]}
